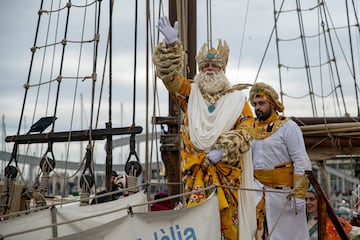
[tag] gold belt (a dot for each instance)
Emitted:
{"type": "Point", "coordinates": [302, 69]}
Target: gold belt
{"type": "Point", "coordinates": [278, 177]}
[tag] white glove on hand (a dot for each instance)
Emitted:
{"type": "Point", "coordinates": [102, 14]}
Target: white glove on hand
{"type": "Point", "coordinates": [170, 33]}
{"type": "Point", "coordinates": [215, 155]}
{"type": "Point", "coordinates": [300, 205]}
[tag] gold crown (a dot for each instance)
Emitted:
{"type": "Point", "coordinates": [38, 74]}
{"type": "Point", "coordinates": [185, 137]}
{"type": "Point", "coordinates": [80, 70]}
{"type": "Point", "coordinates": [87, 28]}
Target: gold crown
{"type": "Point", "coordinates": [219, 55]}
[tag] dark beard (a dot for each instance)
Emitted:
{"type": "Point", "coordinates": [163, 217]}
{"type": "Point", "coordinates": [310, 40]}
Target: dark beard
{"type": "Point", "coordinates": [263, 116]}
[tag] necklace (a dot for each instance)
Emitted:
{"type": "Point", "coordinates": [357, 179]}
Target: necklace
{"type": "Point", "coordinates": [211, 101]}
{"type": "Point", "coordinates": [211, 108]}
{"type": "Point", "coordinates": [263, 129]}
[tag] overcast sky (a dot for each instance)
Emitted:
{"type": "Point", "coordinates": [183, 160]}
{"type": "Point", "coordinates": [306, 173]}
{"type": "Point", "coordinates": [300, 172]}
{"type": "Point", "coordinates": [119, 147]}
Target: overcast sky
{"type": "Point", "coordinates": [247, 33]}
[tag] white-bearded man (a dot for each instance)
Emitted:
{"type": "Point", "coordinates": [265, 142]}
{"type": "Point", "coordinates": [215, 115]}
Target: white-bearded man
{"type": "Point", "coordinates": [215, 138]}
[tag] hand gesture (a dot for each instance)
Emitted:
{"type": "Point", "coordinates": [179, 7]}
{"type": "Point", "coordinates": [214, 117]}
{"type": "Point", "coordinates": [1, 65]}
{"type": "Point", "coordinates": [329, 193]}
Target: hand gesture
{"type": "Point", "coordinates": [170, 33]}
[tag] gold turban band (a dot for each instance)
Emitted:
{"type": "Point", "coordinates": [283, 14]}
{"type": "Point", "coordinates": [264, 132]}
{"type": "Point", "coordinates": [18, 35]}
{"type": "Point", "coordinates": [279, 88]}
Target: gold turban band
{"type": "Point", "coordinates": [262, 90]}
{"type": "Point", "coordinates": [219, 56]}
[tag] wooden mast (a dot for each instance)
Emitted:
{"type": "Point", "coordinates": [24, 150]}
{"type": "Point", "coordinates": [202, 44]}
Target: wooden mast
{"type": "Point", "coordinates": [170, 141]}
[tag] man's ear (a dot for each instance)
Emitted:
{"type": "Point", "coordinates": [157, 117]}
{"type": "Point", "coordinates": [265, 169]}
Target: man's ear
{"type": "Point", "coordinates": [272, 108]}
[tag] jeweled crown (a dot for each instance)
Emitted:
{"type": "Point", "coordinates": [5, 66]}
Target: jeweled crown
{"type": "Point", "coordinates": [219, 55]}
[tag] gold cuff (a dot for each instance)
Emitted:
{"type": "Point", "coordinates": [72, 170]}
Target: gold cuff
{"type": "Point", "coordinates": [174, 84]}
{"type": "Point", "coordinates": [301, 184]}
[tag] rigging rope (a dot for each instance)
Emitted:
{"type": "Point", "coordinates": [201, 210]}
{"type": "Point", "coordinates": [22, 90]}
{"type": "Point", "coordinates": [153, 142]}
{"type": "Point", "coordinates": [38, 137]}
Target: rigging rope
{"type": "Point", "coordinates": [74, 99]}
{"type": "Point", "coordinates": [352, 57]}
{"type": "Point", "coordinates": [59, 79]}
{"type": "Point", "coordinates": [243, 34]}
{"type": "Point", "coordinates": [326, 34]}
{"type": "Point", "coordinates": [276, 15]}
{"type": "Point", "coordinates": [135, 62]}
{"type": "Point", "coordinates": [156, 100]}
{"type": "Point", "coordinates": [306, 59]}
{"type": "Point", "coordinates": [333, 56]}
{"type": "Point", "coordinates": [114, 210]}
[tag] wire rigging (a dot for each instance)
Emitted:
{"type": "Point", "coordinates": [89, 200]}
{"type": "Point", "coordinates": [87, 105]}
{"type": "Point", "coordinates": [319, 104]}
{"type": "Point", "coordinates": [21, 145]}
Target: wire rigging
{"type": "Point", "coordinates": [352, 57]}
{"type": "Point", "coordinates": [306, 59]}
{"type": "Point", "coordinates": [326, 56]}
{"type": "Point", "coordinates": [243, 34]}
{"type": "Point", "coordinates": [135, 61]}
{"type": "Point", "coordinates": [276, 14]}
{"type": "Point", "coordinates": [329, 43]}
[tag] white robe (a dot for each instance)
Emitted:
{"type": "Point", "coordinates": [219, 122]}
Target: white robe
{"type": "Point", "coordinates": [285, 144]}
{"type": "Point", "coordinates": [205, 127]}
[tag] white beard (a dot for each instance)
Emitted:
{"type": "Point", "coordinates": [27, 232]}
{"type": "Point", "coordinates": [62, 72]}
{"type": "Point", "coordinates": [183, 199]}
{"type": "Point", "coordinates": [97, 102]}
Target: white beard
{"type": "Point", "coordinates": [212, 83]}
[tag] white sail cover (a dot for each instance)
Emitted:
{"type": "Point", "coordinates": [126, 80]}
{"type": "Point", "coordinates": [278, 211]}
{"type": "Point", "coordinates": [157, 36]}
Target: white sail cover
{"type": "Point", "coordinates": [32, 224]}
{"type": "Point", "coordinates": [198, 222]}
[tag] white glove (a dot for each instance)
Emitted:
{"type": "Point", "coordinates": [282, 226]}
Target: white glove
{"type": "Point", "coordinates": [170, 33]}
{"type": "Point", "coordinates": [300, 205]}
{"type": "Point", "coordinates": [215, 155]}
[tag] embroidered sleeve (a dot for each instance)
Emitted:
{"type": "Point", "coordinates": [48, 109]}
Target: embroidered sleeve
{"type": "Point", "coordinates": [233, 143]}
{"type": "Point", "coordinates": [246, 120]}
{"type": "Point", "coordinates": [169, 64]}
{"type": "Point", "coordinates": [181, 95]}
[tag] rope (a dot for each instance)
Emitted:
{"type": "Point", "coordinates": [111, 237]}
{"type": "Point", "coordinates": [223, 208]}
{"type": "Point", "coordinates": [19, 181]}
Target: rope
{"type": "Point", "coordinates": [43, 185]}
{"type": "Point", "coordinates": [15, 146]}
{"type": "Point", "coordinates": [84, 196]}
{"type": "Point", "coordinates": [6, 194]}
{"type": "Point", "coordinates": [132, 182]}
{"type": "Point", "coordinates": [213, 187]}
{"type": "Point", "coordinates": [352, 57]}
{"type": "Point", "coordinates": [306, 59]}
{"type": "Point", "coordinates": [135, 63]}
{"type": "Point", "coordinates": [331, 71]}
{"type": "Point", "coordinates": [326, 33]}
{"type": "Point", "coordinates": [243, 34]}
{"type": "Point", "coordinates": [76, 91]}
{"type": "Point", "coordinates": [156, 102]}
{"type": "Point", "coordinates": [268, 44]}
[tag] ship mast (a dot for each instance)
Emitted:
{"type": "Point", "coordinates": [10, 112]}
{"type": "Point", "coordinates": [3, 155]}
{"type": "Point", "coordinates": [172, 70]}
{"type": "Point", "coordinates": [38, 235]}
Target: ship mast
{"type": "Point", "coordinates": [186, 15]}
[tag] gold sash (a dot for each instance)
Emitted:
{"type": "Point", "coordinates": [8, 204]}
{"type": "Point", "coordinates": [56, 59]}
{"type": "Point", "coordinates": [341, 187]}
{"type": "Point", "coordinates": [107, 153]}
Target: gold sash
{"type": "Point", "coordinates": [278, 177]}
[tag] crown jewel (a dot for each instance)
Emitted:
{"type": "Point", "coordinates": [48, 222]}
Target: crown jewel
{"type": "Point", "coordinates": [219, 55]}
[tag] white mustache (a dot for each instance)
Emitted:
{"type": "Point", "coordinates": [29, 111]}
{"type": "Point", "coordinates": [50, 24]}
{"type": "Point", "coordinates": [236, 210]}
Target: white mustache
{"type": "Point", "coordinates": [210, 72]}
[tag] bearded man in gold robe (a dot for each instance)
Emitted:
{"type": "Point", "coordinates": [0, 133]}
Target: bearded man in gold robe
{"type": "Point", "coordinates": [215, 138]}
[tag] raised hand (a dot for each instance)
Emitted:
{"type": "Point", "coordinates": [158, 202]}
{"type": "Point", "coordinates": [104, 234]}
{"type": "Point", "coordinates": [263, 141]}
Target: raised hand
{"type": "Point", "coordinates": [170, 33]}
